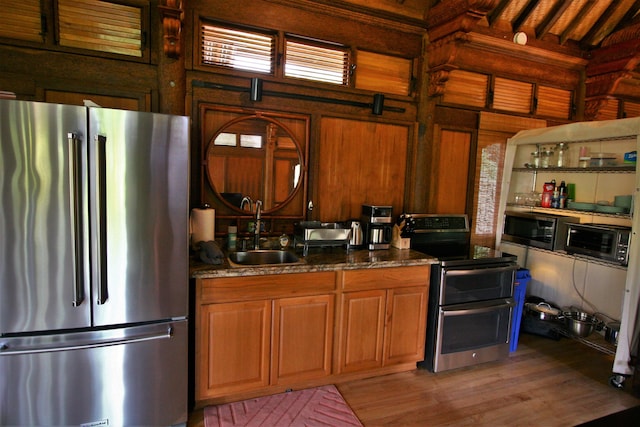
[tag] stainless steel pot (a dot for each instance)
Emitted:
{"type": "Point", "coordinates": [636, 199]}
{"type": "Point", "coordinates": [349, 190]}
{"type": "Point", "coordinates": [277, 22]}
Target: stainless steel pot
{"type": "Point", "coordinates": [543, 311]}
{"type": "Point", "coordinates": [611, 332]}
{"type": "Point", "coordinates": [580, 323]}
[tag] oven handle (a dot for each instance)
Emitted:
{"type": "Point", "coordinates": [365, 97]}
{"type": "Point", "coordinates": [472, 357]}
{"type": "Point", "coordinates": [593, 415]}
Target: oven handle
{"type": "Point", "coordinates": [469, 271]}
{"type": "Point", "coordinates": [476, 307]}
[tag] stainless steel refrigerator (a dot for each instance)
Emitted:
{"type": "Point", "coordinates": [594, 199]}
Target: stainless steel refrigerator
{"type": "Point", "coordinates": [93, 266]}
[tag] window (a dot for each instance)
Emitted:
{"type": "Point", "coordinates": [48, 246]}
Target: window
{"type": "Point", "coordinates": [512, 95]}
{"type": "Point", "coordinates": [322, 63]}
{"type": "Point", "coordinates": [553, 102]}
{"type": "Point", "coordinates": [20, 19]}
{"type": "Point", "coordinates": [255, 51]}
{"type": "Point", "coordinates": [101, 26]}
{"type": "Point", "coordinates": [237, 49]}
{"type": "Point", "coordinates": [244, 140]}
{"type": "Point", "coordinates": [384, 73]}
{"type": "Point", "coordinates": [466, 88]}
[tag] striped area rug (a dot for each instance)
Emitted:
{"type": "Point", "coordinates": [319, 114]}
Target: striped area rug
{"type": "Point", "coordinates": [320, 406]}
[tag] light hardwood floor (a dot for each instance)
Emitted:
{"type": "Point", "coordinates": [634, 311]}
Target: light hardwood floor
{"type": "Point", "coordinates": [544, 383]}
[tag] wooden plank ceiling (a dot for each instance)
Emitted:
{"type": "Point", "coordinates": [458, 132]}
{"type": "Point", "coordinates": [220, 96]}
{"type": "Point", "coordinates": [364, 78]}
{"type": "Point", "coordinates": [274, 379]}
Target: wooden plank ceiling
{"type": "Point", "coordinates": [604, 33]}
{"type": "Point", "coordinates": [584, 22]}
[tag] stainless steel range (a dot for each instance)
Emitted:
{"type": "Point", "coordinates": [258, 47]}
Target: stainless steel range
{"type": "Point", "coordinates": [470, 296]}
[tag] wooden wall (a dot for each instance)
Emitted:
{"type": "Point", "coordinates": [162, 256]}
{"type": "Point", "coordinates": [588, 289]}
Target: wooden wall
{"type": "Point", "coordinates": [421, 157]}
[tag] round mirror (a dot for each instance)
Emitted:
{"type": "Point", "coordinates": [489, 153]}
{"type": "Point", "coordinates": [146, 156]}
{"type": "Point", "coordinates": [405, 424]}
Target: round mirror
{"type": "Point", "coordinates": [256, 156]}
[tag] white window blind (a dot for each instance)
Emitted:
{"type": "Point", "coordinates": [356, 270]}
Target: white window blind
{"type": "Point", "coordinates": [244, 50]}
{"type": "Point", "coordinates": [319, 63]}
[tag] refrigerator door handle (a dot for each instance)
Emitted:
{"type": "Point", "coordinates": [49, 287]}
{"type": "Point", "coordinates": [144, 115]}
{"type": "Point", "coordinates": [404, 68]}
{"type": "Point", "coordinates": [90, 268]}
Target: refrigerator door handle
{"type": "Point", "coordinates": [75, 159]}
{"type": "Point", "coordinates": [84, 342]}
{"type": "Point", "coordinates": [101, 213]}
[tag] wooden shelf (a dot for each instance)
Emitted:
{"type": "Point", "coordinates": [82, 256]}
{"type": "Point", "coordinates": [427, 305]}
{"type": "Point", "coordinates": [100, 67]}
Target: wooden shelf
{"type": "Point", "coordinates": [609, 169]}
{"type": "Point", "coordinates": [569, 211]}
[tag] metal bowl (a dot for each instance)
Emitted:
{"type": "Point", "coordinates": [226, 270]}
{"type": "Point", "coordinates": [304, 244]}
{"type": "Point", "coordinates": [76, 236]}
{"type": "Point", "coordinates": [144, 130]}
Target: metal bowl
{"type": "Point", "coordinates": [580, 323]}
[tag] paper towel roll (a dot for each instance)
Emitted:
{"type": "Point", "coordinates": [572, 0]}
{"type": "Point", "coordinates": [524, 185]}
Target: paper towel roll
{"type": "Point", "coordinates": [203, 225]}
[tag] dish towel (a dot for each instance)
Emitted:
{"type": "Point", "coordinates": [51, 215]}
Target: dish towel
{"type": "Point", "coordinates": [210, 253]}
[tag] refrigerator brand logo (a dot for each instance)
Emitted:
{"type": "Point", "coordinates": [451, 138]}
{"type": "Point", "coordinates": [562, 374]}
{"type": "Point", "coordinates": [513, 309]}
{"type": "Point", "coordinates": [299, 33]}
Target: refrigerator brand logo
{"type": "Point", "coordinates": [100, 423]}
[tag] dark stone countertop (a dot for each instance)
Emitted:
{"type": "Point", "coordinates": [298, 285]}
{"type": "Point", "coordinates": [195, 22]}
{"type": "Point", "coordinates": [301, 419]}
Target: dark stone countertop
{"type": "Point", "coordinates": [318, 259]}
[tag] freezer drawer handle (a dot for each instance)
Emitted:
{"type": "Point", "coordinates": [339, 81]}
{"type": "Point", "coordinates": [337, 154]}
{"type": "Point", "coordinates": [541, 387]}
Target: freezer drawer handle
{"type": "Point", "coordinates": [6, 350]}
{"type": "Point", "coordinates": [76, 208]}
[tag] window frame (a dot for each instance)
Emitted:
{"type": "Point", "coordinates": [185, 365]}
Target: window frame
{"type": "Point", "coordinates": [279, 57]}
{"type": "Point", "coordinates": [347, 54]}
{"type": "Point", "coordinates": [49, 19]}
{"type": "Point", "coordinates": [143, 5]}
{"type": "Point", "coordinates": [252, 30]}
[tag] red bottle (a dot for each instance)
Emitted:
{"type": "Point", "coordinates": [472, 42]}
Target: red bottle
{"type": "Point", "coordinates": [547, 193]}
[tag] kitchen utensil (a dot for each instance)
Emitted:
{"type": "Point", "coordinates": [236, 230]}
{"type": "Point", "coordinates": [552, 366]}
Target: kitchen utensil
{"type": "Point", "coordinates": [543, 311]}
{"type": "Point", "coordinates": [611, 332]}
{"type": "Point", "coordinates": [580, 323]}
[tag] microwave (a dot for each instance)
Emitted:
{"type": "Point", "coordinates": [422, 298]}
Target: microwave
{"type": "Point", "coordinates": [603, 241]}
{"type": "Point", "coordinates": [540, 230]}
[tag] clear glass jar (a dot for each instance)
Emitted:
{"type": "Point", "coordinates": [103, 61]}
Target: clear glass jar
{"type": "Point", "coordinates": [535, 159]}
{"type": "Point", "coordinates": [562, 151]}
{"type": "Point", "coordinates": [546, 158]}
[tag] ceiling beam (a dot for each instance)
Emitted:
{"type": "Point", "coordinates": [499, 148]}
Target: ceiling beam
{"type": "Point", "coordinates": [552, 17]}
{"type": "Point", "coordinates": [576, 20]}
{"type": "Point", "coordinates": [606, 23]}
{"type": "Point", "coordinates": [493, 16]}
{"type": "Point", "coordinates": [524, 14]}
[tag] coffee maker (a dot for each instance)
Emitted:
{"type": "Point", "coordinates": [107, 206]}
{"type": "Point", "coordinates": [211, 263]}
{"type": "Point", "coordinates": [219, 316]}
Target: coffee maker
{"type": "Point", "coordinates": [377, 224]}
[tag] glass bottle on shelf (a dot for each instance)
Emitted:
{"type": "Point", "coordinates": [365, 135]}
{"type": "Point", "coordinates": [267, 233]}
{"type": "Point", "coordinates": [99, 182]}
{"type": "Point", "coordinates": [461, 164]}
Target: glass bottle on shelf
{"type": "Point", "coordinates": [562, 151]}
{"type": "Point", "coordinates": [546, 157]}
{"type": "Point", "coordinates": [535, 159]}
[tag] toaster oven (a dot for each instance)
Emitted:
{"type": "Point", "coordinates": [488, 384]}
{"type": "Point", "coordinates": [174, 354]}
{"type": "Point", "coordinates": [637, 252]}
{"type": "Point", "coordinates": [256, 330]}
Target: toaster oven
{"type": "Point", "coordinates": [541, 230]}
{"type": "Point", "coordinates": [602, 241]}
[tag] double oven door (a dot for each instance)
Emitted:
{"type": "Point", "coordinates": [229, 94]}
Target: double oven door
{"type": "Point", "coordinates": [471, 308]}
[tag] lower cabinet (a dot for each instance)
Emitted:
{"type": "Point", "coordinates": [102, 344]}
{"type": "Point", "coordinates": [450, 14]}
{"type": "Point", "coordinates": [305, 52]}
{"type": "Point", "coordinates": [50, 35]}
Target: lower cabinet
{"type": "Point", "coordinates": [260, 333]}
{"type": "Point", "coordinates": [247, 345]}
{"type": "Point", "coordinates": [382, 327]}
{"type": "Point", "coordinates": [233, 348]}
{"type": "Point", "coordinates": [302, 337]}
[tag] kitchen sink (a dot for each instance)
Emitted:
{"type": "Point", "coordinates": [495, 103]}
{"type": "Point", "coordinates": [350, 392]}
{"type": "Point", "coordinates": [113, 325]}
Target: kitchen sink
{"type": "Point", "coordinates": [263, 257]}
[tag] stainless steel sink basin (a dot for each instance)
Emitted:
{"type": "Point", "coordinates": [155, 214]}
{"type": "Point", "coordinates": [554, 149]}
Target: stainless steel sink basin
{"type": "Point", "coordinates": [263, 257]}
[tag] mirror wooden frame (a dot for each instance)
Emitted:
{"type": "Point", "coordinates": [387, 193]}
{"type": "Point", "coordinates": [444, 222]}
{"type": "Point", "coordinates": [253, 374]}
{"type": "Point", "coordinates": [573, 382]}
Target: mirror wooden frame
{"type": "Point", "coordinates": [300, 140]}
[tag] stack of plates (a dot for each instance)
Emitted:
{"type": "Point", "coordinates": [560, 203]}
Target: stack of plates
{"type": "Point", "coordinates": [593, 207]}
{"type": "Point", "coordinates": [579, 206]}
{"type": "Point", "coordinates": [610, 209]}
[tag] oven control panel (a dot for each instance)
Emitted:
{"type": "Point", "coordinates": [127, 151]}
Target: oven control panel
{"type": "Point", "coordinates": [436, 222]}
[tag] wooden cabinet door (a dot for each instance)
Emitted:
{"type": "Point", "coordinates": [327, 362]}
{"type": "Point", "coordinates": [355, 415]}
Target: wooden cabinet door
{"type": "Point", "coordinates": [406, 325]}
{"type": "Point", "coordinates": [232, 348]}
{"type": "Point", "coordinates": [347, 180]}
{"type": "Point", "coordinates": [302, 338]}
{"type": "Point", "coordinates": [362, 330]}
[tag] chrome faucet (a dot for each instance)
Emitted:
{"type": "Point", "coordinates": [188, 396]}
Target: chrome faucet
{"type": "Point", "coordinates": [247, 200]}
{"type": "Point", "coordinates": [258, 224]}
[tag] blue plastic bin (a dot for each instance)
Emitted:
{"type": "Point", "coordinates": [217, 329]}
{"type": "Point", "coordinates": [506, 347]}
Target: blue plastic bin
{"type": "Point", "coordinates": [519, 291]}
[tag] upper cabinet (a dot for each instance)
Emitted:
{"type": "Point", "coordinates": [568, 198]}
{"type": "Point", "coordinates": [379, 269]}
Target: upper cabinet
{"type": "Point", "coordinates": [254, 154]}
